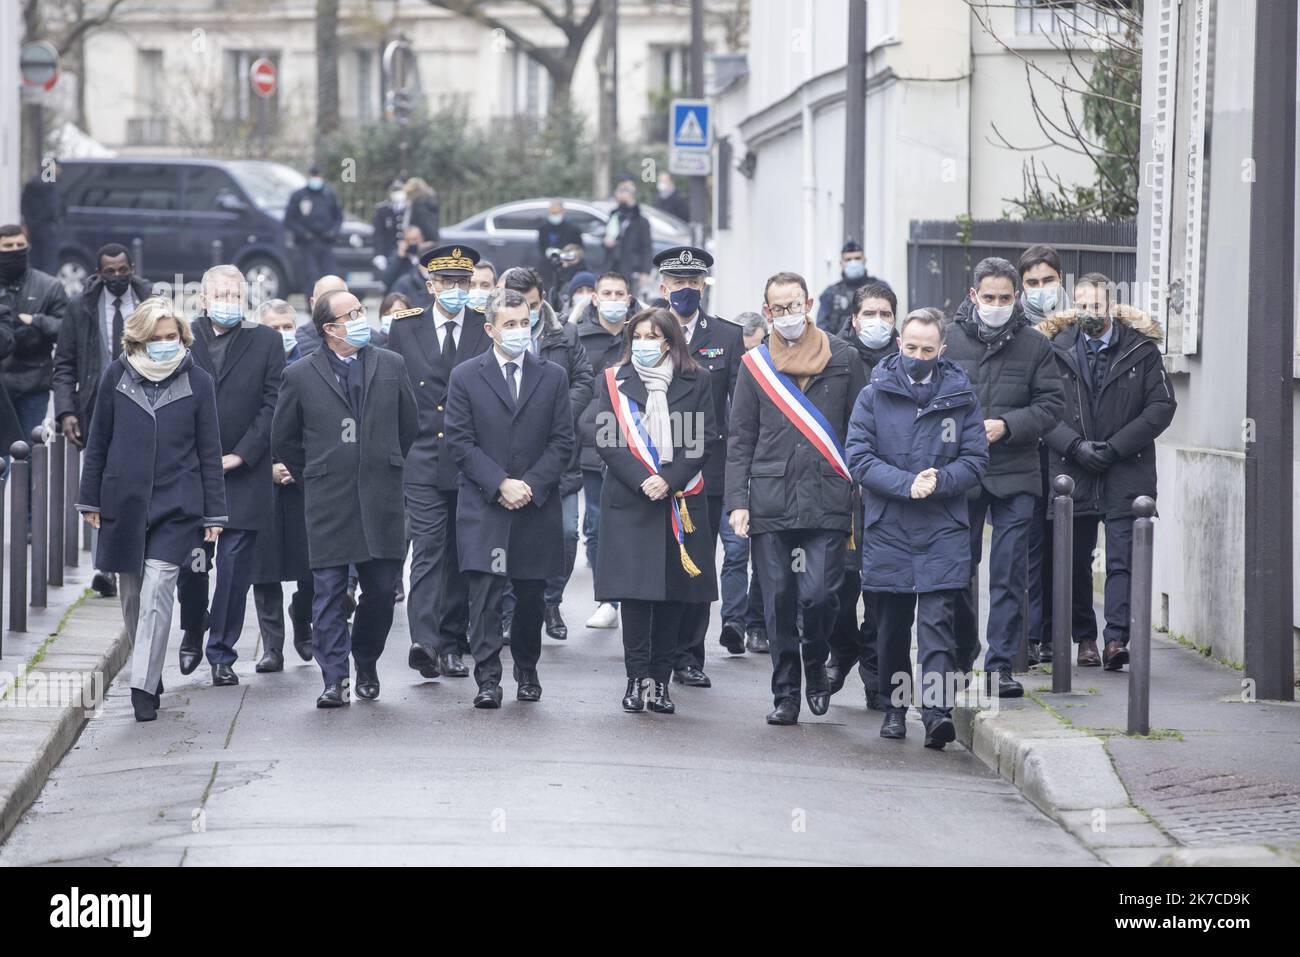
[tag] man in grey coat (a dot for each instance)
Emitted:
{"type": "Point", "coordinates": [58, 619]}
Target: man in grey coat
{"type": "Point", "coordinates": [1014, 374]}
{"type": "Point", "coordinates": [345, 421]}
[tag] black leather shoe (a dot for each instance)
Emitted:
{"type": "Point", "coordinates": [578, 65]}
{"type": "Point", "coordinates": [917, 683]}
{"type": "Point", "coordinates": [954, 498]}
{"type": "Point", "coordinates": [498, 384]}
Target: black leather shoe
{"type": "Point", "coordinates": [453, 666]}
{"type": "Point", "coordinates": [367, 685]}
{"type": "Point", "coordinates": [423, 661]}
{"type": "Point", "coordinates": [785, 712]}
{"type": "Point", "coordinates": [939, 730]}
{"type": "Point", "coordinates": [224, 676]}
{"type": "Point", "coordinates": [555, 626]}
{"type": "Point", "coordinates": [692, 677]}
{"type": "Point", "coordinates": [1033, 653]}
{"type": "Point", "coordinates": [191, 652]}
{"type": "Point", "coordinates": [1045, 652]}
{"type": "Point", "coordinates": [837, 674]}
{"type": "Point", "coordinates": [1003, 685]}
{"type": "Point", "coordinates": [489, 696]}
{"type": "Point", "coordinates": [106, 585]}
{"type": "Point", "coordinates": [817, 688]}
{"type": "Point", "coordinates": [144, 705]}
{"type": "Point", "coordinates": [530, 686]}
{"type": "Point", "coordinates": [349, 603]}
{"type": "Point", "coordinates": [660, 703]}
{"type": "Point", "coordinates": [756, 641]}
{"type": "Point", "coordinates": [271, 660]}
{"type": "Point", "coordinates": [302, 640]}
{"type": "Point", "coordinates": [732, 638]}
{"type": "Point", "coordinates": [632, 700]}
{"type": "Point", "coordinates": [895, 724]}
{"type": "Point", "coordinates": [335, 695]}
{"type": "Point", "coordinates": [876, 701]}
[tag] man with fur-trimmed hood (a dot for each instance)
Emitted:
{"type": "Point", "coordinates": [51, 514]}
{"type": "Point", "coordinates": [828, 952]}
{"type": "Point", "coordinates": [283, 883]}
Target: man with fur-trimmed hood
{"type": "Point", "coordinates": [1117, 400]}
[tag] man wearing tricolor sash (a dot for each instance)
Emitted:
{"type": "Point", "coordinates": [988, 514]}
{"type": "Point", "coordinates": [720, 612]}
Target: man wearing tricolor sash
{"type": "Point", "coordinates": [788, 487]}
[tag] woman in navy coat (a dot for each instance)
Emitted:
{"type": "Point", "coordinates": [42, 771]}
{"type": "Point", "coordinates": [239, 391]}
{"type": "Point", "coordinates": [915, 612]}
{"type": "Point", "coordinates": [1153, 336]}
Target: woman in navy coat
{"type": "Point", "coordinates": [647, 567]}
{"type": "Point", "coordinates": [152, 481]}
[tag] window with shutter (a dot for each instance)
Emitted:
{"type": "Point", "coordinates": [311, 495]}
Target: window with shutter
{"type": "Point", "coordinates": [1163, 47]}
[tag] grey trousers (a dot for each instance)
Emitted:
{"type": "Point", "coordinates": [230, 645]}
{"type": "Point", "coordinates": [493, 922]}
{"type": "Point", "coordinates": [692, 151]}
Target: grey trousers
{"type": "Point", "coordinates": [147, 603]}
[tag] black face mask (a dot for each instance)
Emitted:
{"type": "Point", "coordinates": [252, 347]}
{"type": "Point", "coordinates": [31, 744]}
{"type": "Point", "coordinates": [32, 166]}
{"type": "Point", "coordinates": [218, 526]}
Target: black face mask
{"type": "Point", "coordinates": [13, 263]}
{"type": "Point", "coordinates": [118, 285]}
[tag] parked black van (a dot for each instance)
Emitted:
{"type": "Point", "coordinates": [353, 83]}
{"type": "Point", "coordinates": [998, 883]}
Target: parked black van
{"type": "Point", "coordinates": [181, 208]}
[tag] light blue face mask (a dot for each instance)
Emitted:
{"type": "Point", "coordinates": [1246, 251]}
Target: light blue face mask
{"type": "Point", "coordinates": [876, 333]}
{"type": "Point", "coordinates": [358, 332]}
{"type": "Point", "coordinates": [1043, 299]}
{"type": "Point", "coordinates": [163, 351]}
{"type": "Point", "coordinates": [515, 341]}
{"type": "Point", "coordinates": [453, 300]}
{"type": "Point", "coordinates": [385, 323]}
{"type": "Point", "coordinates": [477, 299]}
{"type": "Point", "coordinates": [613, 310]}
{"type": "Point", "coordinates": [534, 315]}
{"type": "Point", "coordinates": [854, 270]}
{"type": "Point", "coordinates": [225, 313]}
{"type": "Point", "coordinates": [290, 340]}
{"type": "Point", "coordinates": [646, 352]}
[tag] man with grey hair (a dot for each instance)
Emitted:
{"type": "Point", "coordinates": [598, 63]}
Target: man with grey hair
{"type": "Point", "coordinates": [246, 361]}
{"type": "Point", "coordinates": [1014, 374]}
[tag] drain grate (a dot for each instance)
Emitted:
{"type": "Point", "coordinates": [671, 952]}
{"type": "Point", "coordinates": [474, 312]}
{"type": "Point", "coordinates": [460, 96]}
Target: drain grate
{"type": "Point", "coordinates": [1201, 807]}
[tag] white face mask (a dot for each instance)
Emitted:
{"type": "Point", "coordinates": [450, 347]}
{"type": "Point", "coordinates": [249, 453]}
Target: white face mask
{"type": "Point", "coordinates": [875, 332]}
{"type": "Point", "coordinates": [579, 304]}
{"type": "Point", "coordinates": [791, 327]}
{"type": "Point", "coordinates": [995, 317]}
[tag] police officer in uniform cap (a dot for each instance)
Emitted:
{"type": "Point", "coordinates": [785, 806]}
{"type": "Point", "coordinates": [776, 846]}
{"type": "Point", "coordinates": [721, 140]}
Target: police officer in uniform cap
{"type": "Point", "coordinates": [433, 343]}
{"type": "Point", "coordinates": [717, 346]}
{"type": "Point", "coordinates": [835, 307]}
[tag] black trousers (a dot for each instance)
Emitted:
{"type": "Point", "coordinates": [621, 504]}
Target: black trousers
{"type": "Point", "coordinates": [1119, 554]}
{"type": "Point", "coordinates": [365, 641]}
{"type": "Point", "coordinates": [268, 599]}
{"type": "Point", "coordinates": [234, 550]}
{"type": "Point", "coordinates": [851, 641]}
{"type": "Point", "coordinates": [934, 612]}
{"type": "Point", "coordinates": [800, 572]}
{"type": "Point", "coordinates": [650, 630]}
{"type": "Point", "coordinates": [696, 615]}
{"type": "Point", "coordinates": [486, 593]}
{"type": "Point", "coordinates": [437, 609]}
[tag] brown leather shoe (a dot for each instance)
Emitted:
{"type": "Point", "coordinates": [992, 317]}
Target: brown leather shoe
{"type": "Point", "coordinates": [1115, 656]}
{"type": "Point", "coordinates": [1088, 657]}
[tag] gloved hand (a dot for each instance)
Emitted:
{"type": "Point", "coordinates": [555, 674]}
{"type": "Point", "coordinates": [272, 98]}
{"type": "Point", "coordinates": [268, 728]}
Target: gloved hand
{"type": "Point", "coordinates": [1096, 457]}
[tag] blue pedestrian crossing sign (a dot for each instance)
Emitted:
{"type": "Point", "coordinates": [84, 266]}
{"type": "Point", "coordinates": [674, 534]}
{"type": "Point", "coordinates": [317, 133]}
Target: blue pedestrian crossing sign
{"type": "Point", "coordinates": [690, 126]}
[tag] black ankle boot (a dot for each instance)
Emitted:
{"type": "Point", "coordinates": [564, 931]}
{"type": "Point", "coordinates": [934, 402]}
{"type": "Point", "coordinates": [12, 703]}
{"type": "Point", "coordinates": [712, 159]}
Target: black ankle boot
{"type": "Point", "coordinates": [632, 699]}
{"type": "Point", "coordinates": [661, 703]}
{"type": "Point", "coordinates": [146, 709]}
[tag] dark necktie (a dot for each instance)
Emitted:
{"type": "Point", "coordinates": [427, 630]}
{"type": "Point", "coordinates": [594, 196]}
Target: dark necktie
{"type": "Point", "coordinates": [449, 344]}
{"type": "Point", "coordinates": [116, 344]}
{"type": "Point", "coordinates": [513, 386]}
{"type": "Point", "coordinates": [1095, 368]}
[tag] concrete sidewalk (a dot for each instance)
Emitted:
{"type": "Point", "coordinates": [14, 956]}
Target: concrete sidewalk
{"type": "Point", "coordinates": [1216, 781]}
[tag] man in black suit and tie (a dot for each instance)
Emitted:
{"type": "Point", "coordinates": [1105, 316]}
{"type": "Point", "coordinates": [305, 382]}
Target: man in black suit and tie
{"type": "Point", "coordinates": [246, 361]}
{"type": "Point", "coordinates": [345, 422]}
{"type": "Point", "coordinates": [432, 345]}
{"type": "Point", "coordinates": [510, 429]}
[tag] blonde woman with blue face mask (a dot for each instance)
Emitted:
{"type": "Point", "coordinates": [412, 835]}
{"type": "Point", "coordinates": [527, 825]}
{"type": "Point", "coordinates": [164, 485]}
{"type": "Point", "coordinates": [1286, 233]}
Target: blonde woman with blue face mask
{"type": "Point", "coordinates": [152, 481]}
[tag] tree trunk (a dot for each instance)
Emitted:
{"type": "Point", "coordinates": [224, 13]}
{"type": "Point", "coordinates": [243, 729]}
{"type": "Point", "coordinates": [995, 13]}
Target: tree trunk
{"type": "Point", "coordinates": [327, 70]}
{"type": "Point", "coordinates": [607, 121]}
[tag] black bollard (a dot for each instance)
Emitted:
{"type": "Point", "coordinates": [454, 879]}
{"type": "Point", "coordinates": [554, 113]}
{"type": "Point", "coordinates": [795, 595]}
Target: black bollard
{"type": "Point", "coordinates": [40, 516]}
{"type": "Point", "coordinates": [1062, 580]}
{"type": "Point", "coordinates": [137, 253]}
{"type": "Point", "coordinates": [57, 449]}
{"type": "Point", "coordinates": [18, 537]}
{"type": "Point", "coordinates": [217, 259]}
{"type": "Point", "coordinates": [71, 518]}
{"type": "Point", "coordinates": [1139, 629]}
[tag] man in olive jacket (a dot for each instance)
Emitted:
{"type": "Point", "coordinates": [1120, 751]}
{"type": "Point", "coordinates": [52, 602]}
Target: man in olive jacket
{"type": "Point", "coordinates": [1020, 390]}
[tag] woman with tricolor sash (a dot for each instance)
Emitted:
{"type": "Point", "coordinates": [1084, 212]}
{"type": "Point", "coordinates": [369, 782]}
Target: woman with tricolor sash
{"type": "Point", "coordinates": [654, 412]}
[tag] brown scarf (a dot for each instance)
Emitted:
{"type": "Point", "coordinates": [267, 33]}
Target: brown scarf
{"type": "Point", "coordinates": [802, 359]}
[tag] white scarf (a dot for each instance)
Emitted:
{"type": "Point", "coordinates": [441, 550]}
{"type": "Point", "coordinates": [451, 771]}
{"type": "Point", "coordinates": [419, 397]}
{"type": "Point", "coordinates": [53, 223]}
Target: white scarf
{"type": "Point", "coordinates": [153, 370]}
{"type": "Point", "coordinates": [656, 419]}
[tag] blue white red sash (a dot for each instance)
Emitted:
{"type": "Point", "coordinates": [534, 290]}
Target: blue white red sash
{"type": "Point", "coordinates": [642, 447]}
{"type": "Point", "coordinates": [797, 407]}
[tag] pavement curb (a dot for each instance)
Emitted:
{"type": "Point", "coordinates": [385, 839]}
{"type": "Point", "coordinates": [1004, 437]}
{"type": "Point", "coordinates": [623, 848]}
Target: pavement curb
{"type": "Point", "coordinates": [80, 660]}
{"type": "Point", "coordinates": [1068, 775]}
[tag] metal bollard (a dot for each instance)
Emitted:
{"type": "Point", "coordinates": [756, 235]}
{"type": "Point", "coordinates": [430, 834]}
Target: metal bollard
{"type": "Point", "coordinates": [40, 515]}
{"type": "Point", "coordinates": [1062, 580]}
{"type": "Point", "coordinates": [1139, 624]}
{"type": "Point", "coordinates": [217, 253]}
{"type": "Point", "coordinates": [137, 253]}
{"type": "Point", "coordinates": [71, 519]}
{"type": "Point", "coordinates": [18, 536]}
{"type": "Point", "coordinates": [56, 508]}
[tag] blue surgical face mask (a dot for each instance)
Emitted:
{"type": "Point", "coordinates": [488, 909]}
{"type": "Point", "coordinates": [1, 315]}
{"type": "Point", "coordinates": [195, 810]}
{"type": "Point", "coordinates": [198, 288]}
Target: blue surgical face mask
{"type": "Point", "coordinates": [555, 218]}
{"type": "Point", "coordinates": [514, 341]}
{"type": "Point", "coordinates": [646, 352]}
{"type": "Point", "coordinates": [225, 313]}
{"type": "Point", "coordinates": [453, 300]}
{"type": "Point", "coordinates": [385, 323]}
{"type": "Point", "coordinates": [533, 316]}
{"type": "Point", "coordinates": [358, 332]}
{"type": "Point", "coordinates": [163, 351]}
{"type": "Point", "coordinates": [854, 270]}
{"type": "Point", "coordinates": [875, 333]}
{"type": "Point", "coordinates": [290, 340]}
{"type": "Point", "coordinates": [315, 182]}
{"type": "Point", "coordinates": [918, 369]}
{"type": "Point", "coordinates": [613, 310]}
{"type": "Point", "coordinates": [685, 302]}
{"type": "Point", "coordinates": [477, 299]}
{"type": "Point", "coordinates": [1043, 299]}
